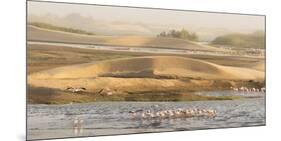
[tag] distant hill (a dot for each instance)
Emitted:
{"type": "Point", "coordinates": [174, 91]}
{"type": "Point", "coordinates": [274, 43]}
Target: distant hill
{"type": "Point", "coordinates": [59, 28]}
{"type": "Point", "coordinates": [253, 40]}
{"type": "Point", "coordinates": [129, 28]}
{"type": "Point", "coordinates": [42, 34]}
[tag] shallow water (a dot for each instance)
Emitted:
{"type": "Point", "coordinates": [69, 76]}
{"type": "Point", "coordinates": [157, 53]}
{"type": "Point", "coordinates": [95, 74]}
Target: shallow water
{"type": "Point", "coordinates": [131, 49]}
{"type": "Point", "coordinates": [231, 93]}
{"type": "Point", "coordinates": [109, 118]}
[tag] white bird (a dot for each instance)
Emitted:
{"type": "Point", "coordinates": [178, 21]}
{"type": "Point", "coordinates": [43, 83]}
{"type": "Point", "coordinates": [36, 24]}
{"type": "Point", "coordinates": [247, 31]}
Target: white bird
{"type": "Point", "coordinates": [80, 123]}
{"type": "Point", "coordinates": [263, 89]}
{"type": "Point", "coordinates": [162, 114]}
{"type": "Point", "coordinates": [143, 115]}
{"type": "Point", "coordinates": [75, 123]}
{"type": "Point", "coordinates": [246, 89]}
{"type": "Point", "coordinates": [241, 89]}
{"type": "Point", "coordinates": [254, 89]}
{"type": "Point", "coordinates": [133, 114]}
{"type": "Point", "coordinates": [171, 114]}
{"type": "Point", "coordinates": [75, 90]}
{"type": "Point", "coordinates": [177, 113]}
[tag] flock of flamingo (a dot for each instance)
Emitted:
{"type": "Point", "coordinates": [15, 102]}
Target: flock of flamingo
{"type": "Point", "coordinates": [246, 89]}
{"type": "Point", "coordinates": [241, 89]}
{"type": "Point", "coordinates": [177, 113]}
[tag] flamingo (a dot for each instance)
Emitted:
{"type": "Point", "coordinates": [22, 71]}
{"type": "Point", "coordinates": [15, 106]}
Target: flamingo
{"type": "Point", "coordinates": [81, 121]}
{"type": "Point", "coordinates": [133, 114]}
{"type": "Point", "coordinates": [257, 90]}
{"type": "Point", "coordinates": [162, 114]}
{"type": "Point", "coordinates": [241, 88]}
{"type": "Point", "coordinates": [75, 90]}
{"type": "Point", "coordinates": [212, 113]}
{"type": "Point", "coordinates": [152, 115]}
{"type": "Point", "coordinates": [254, 89]}
{"type": "Point", "coordinates": [143, 115]}
{"type": "Point", "coordinates": [263, 89]}
{"type": "Point", "coordinates": [188, 113]}
{"type": "Point", "coordinates": [75, 122]}
{"type": "Point", "coordinates": [235, 89]}
{"type": "Point", "coordinates": [177, 113]}
{"type": "Point", "coordinates": [171, 114]}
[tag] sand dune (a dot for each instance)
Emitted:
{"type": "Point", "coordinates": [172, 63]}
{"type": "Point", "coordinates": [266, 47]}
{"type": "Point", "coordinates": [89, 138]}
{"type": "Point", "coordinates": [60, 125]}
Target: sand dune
{"type": "Point", "coordinates": [142, 74]}
{"type": "Point", "coordinates": [40, 34]}
{"type": "Point", "coordinates": [151, 67]}
{"type": "Point", "coordinates": [259, 66]}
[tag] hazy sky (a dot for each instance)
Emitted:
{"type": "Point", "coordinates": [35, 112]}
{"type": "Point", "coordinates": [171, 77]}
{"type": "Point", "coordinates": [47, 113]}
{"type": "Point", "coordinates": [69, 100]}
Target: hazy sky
{"type": "Point", "coordinates": [151, 16]}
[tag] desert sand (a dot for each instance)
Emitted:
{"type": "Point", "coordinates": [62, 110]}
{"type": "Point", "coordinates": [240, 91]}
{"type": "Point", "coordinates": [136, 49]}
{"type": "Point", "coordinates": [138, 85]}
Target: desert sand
{"type": "Point", "coordinates": [138, 74]}
{"type": "Point", "coordinates": [151, 66]}
{"type": "Point", "coordinates": [131, 75]}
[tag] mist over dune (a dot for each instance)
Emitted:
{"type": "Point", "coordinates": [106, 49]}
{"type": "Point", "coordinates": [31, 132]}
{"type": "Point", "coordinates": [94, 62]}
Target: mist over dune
{"type": "Point", "coordinates": [75, 20]}
{"type": "Point", "coordinates": [123, 28]}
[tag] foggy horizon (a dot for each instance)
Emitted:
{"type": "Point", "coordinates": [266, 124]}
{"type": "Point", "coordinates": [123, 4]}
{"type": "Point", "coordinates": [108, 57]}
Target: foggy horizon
{"type": "Point", "coordinates": [139, 21]}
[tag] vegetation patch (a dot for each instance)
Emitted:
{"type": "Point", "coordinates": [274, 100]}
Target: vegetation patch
{"type": "Point", "coordinates": [181, 34]}
{"type": "Point", "coordinates": [254, 40]}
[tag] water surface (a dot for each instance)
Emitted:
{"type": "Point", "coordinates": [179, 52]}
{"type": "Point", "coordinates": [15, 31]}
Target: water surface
{"type": "Point", "coordinates": [109, 118]}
